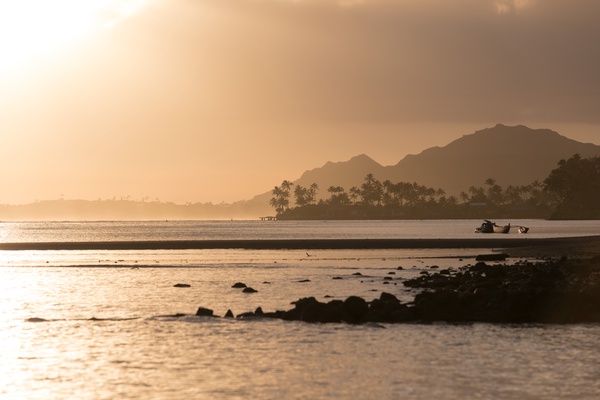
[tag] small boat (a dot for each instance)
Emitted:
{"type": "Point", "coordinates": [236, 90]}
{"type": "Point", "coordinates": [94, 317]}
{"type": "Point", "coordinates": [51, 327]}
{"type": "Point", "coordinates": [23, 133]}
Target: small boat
{"type": "Point", "coordinates": [486, 227]}
{"type": "Point", "coordinates": [491, 227]}
{"type": "Point", "coordinates": [523, 229]}
{"type": "Point", "coordinates": [501, 229]}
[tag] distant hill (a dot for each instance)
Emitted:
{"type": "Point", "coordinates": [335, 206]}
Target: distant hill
{"type": "Point", "coordinates": [346, 174]}
{"type": "Point", "coordinates": [512, 155]}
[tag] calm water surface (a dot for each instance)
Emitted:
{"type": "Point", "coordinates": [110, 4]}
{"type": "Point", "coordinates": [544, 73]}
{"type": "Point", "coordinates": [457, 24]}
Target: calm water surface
{"type": "Point", "coordinates": [199, 230]}
{"type": "Point", "coordinates": [135, 349]}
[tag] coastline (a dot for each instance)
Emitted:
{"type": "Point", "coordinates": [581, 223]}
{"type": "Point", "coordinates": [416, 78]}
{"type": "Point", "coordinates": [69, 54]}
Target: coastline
{"type": "Point", "coordinates": [517, 247]}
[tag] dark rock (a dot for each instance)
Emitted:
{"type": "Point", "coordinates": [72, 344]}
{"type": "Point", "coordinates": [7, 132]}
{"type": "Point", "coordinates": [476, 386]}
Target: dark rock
{"type": "Point", "coordinates": [545, 292]}
{"type": "Point", "coordinates": [388, 297]}
{"type": "Point", "coordinates": [357, 274]}
{"type": "Point", "coordinates": [204, 312]}
{"type": "Point", "coordinates": [558, 292]}
{"type": "Point", "coordinates": [337, 278]}
{"type": "Point", "coordinates": [442, 305]}
{"type": "Point", "coordinates": [387, 308]}
{"type": "Point", "coordinates": [249, 290]}
{"type": "Point", "coordinates": [400, 268]}
{"type": "Point", "coordinates": [229, 314]}
{"type": "Point", "coordinates": [478, 266]}
{"type": "Point", "coordinates": [355, 308]}
{"type": "Point", "coordinates": [310, 310]}
{"type": "Point", "coordinates": [306, 309]}
{"type": "Point", "coordinates": [182, 285]}
{"type": "Point", "coordinates": [304, 280]}
{"type": "Point", "coordinates": [276, 314]}
{"type": "Point", "coordinates": [36, 319]}
{"type": "Point", "coordinates": [320, 312]}
{"type": "Point", "coordinates": [178, 315]}
{"type": "Point", "coordinates": [244, 315]}
{"type": "Point", "coordinates": [239, 285]}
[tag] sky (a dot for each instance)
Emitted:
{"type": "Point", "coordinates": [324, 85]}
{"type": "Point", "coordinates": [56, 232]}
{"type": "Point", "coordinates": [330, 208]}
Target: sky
{"type": "Point", "coordinates": [220, 100]}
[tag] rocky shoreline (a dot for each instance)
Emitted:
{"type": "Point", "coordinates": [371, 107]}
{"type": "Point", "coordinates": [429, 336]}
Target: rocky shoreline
{"type": "Point", "coordinates": [556, 291]}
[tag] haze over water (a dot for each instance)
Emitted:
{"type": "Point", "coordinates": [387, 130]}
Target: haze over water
{"type": "Point", "coordinates": [109, 329]}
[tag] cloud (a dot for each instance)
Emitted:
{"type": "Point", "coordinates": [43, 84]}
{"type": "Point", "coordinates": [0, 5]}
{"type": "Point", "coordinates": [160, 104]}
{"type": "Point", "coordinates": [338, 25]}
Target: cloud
{"type": "Point", "coordinates": [507, 6]}
{"type": "Point", "coordinates": [432, 59]}
{"type": "Point", "coordinates": [369, 61]}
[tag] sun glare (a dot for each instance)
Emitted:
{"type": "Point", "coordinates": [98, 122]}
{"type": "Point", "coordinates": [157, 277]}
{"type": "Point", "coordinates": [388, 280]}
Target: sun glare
{"type": "Point", "coordinates": [32, 27]}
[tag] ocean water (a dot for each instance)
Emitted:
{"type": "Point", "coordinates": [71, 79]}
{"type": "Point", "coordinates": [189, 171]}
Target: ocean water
{"type": "Point", "coordinates": [107, 328]}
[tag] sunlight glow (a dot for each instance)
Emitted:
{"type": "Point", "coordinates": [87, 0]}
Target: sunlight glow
{"type": "Point", "coordinates": [32, 27]}
{"type": "Point", "coordinates": [507, 6]}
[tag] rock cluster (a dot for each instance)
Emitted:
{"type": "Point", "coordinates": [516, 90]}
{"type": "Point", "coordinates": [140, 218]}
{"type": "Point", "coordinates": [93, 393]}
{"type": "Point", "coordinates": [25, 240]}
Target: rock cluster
{"type": "Point", "coordinates": [353, 310]}
{"type": "Point", "coordinates": [554, 291]}
{"type": "Point", "coordinates": [565, 291]}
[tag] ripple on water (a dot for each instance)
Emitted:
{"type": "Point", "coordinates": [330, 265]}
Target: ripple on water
{"type": "Point", "coordinates": [127, 351]}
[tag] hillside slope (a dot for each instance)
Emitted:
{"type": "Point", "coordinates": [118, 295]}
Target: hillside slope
{"type": "Point", "coordinates": [512, 155]}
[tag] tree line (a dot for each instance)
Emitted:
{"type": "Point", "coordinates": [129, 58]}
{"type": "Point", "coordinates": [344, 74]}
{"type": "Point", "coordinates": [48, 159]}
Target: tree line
{"type": "Point", "coordinates": [570, 191]}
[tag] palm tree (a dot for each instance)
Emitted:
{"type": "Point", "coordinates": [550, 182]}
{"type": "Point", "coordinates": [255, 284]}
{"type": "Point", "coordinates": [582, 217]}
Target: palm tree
{"type": "Point", "coordinates": [494, 192]}
{"type": "Point", "coordinates": [286, 185]}
{"type": "Point", "coordinates": [301, 194]}
{"type": "Point", "coordinates": [275, 201]}
{"type": "Point", "coordinates": [372, 190]}
{"type": "Point", "coordinates": [285, 194]}
{"type": "Point", "coordinates": [312, 193]}
{"type": "Point", "coordinates": [355, 193]}
{"type": "Point", "coordinates": [338, 196]}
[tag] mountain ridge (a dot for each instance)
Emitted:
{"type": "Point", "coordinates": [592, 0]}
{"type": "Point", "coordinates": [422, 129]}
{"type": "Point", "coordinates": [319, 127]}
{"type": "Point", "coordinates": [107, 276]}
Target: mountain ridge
{"type": "Point", "coordinates": [512, 155]}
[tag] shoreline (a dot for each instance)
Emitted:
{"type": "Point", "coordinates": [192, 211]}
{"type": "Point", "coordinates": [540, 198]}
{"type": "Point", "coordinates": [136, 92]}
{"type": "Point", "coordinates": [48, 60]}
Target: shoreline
{"type": "Point", "coordinates": [519, 247]}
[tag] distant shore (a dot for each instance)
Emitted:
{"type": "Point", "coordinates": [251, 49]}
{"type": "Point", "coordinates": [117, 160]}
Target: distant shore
{"type": "Point", "coordinates": [519, 247]}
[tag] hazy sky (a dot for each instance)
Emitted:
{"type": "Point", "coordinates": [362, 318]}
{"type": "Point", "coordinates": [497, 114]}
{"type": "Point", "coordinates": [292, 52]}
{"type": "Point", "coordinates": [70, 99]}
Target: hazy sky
{"type": "Point", "coordinates": [219, 100]}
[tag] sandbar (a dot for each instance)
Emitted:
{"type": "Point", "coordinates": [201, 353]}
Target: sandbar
{"type": "Point", "coordinates": [519, 247]}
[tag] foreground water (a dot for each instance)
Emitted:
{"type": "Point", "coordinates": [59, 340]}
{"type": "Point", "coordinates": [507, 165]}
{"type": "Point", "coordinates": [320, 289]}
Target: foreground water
{"type": "Point", "coordinates": [109, 330]}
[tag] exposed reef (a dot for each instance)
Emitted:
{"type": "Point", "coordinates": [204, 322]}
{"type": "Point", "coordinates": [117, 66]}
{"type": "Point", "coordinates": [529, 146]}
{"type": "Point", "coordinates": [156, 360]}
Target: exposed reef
{"type": "Point", "coordinates": [555, 291]}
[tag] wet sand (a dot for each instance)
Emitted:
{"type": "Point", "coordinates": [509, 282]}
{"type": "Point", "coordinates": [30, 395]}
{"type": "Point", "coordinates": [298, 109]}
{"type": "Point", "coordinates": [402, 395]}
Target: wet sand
{"type": "Point", "coordinates": [585, 246]}
{"type": "Point", "coordinates": [516, 247]}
